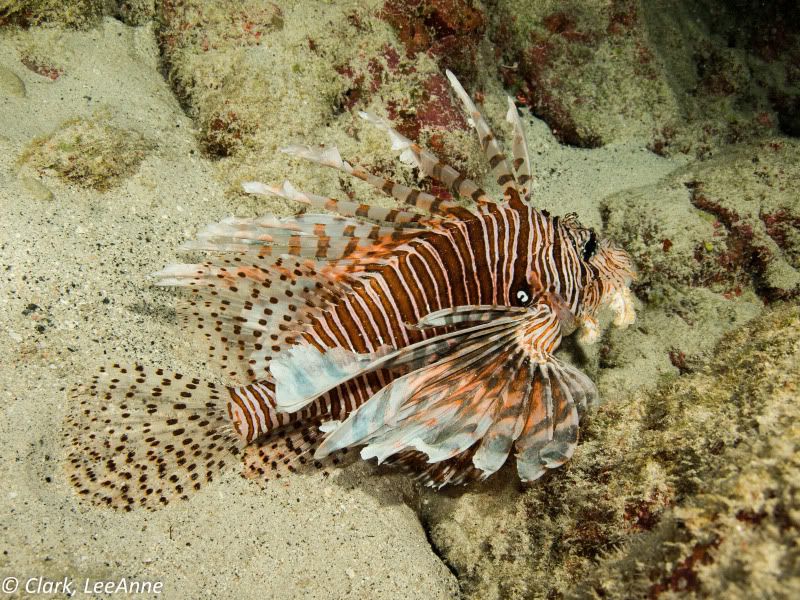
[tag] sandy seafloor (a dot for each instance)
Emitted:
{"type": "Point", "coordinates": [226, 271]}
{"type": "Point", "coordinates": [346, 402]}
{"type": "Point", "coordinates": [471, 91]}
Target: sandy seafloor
{"type": "Point", "coordinates": [83, 257]}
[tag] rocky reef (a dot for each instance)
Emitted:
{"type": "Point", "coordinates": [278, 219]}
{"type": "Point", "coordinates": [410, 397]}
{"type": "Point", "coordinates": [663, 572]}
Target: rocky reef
{"type": "Point", "coordinates": [726, 224]}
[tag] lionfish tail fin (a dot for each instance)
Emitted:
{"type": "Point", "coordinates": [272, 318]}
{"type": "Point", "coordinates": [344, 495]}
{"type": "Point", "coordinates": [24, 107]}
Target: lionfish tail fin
{"type": "Point", "coordinates": [144, 437]}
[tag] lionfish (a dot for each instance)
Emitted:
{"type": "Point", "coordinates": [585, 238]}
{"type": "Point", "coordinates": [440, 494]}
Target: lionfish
{"type": "Point", "coordinates": [423, 335]}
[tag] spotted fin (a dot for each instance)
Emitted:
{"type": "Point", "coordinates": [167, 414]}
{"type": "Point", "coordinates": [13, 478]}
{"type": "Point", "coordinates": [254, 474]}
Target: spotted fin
{"type": "Point", "coordinates": [286, 451]}
{"type": "Point", "coordinates": [144, 437]}
{"type": "Point", "coordinates": [242, 306]}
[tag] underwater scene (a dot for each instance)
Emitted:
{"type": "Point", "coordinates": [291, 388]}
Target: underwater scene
{"type": "Point", "coordinates": [436, 299]}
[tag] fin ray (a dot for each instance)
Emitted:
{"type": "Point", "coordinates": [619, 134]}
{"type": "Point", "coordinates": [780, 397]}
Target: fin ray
{"type": "Point", "coordinates": [491, 148]}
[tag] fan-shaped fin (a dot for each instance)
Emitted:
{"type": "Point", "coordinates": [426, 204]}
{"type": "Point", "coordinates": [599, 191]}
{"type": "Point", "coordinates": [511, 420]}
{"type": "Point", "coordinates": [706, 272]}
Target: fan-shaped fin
{"type": "Point", "coordinates": [244, 306]}
{"type": "Point", "coordinates": [513, 401]}
{"type": "Point", "coordinates": [303, 372]}
{"type": "Point", "coordinates": [550, 434]}
{"type": "Point", "coordinates": [486, 393]}
{"type": "Point", "coordinates": [414, 408]}
{"type": "Point", "coordinates": [458, 470]}
{"type": "Point", "coordinates": [144, 437]}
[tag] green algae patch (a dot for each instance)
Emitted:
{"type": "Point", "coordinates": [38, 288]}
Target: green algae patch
{"type": "Point", "coordinates": [691, 488]}
{"type": "Point", "coordinates": [78, 14]}
{"type": "Point", "coordinates": [89, 153]}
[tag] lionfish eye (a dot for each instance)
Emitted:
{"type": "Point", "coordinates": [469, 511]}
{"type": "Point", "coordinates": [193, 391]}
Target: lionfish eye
{"type": "Point", "coordinates": [523, 297]}
{"type": "Point", "coordinates": [590, 247]}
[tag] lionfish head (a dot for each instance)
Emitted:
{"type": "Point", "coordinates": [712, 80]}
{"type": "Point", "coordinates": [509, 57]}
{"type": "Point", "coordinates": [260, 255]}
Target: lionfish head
{"type": "Point", "coordinates": [607, 274]}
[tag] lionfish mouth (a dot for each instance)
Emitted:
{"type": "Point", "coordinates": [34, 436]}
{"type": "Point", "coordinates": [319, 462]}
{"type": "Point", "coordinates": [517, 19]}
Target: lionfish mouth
{"type": "Point", "coordinates": [621, 304]}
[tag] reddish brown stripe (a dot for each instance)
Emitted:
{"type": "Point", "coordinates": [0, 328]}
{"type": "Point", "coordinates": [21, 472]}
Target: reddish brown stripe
{"type": "Point", "coordinates": [383, 326]}
{"type": "Point", "coordinates": [520, 267]}
{"type": "Point", "coordinates": [350, 328]}
{"type": "Point", "coordinates": [408, 278]}
{"type": "Point", "coordinates": [454, 275]}
{"type": "Point", "coordinates": [505, 178]}
{"type": "Point", "coordinates": [458, 181]}
{"type": "Point", "coordinates": [400, 297]}
{"type": "Point", "coordinates": [482, 268]}
{"type": "Point", "coordinates": [439, 276]}
{"type": "Point", "coordinates": [243, 408]}
{"type": "Point", "coordinates": [427, 281]}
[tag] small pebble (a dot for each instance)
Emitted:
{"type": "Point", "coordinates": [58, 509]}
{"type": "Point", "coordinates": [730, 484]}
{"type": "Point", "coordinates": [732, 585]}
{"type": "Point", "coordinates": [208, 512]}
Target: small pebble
{"type": "Point", "coordinates": [36, 188]}
{"type": "Point", "coordinates": [10, 83]}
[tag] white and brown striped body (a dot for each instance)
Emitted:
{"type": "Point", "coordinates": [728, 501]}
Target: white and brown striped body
{"type": "Point", "coordinates": [502, 256]}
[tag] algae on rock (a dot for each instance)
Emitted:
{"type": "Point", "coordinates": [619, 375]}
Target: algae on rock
{"type": "Point", "coordinates": [91, 153]}
{"type": "Point", "coordinates": [72, 13]}
{"type": "Point", "coordinates": [729, 224]}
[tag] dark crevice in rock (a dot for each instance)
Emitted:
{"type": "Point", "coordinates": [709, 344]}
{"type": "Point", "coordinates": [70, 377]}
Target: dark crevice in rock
{"type": "Point", "coordinates": [442, 555]}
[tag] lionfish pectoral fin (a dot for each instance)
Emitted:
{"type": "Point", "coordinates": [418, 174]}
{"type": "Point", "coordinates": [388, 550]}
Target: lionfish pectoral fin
{"type": "Point", "coordinates": [302, 373]}
{"type": "Point", "coordinates": [559, 395]}
{"type": "Point", "coordinates": [472, 399]}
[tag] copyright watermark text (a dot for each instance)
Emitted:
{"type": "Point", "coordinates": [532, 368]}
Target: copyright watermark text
{"type": "Point", "coordinates": [86, 585]}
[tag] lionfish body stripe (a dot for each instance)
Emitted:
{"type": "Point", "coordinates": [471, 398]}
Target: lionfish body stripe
{"type": "Point", "coordinates": [423, 335]}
